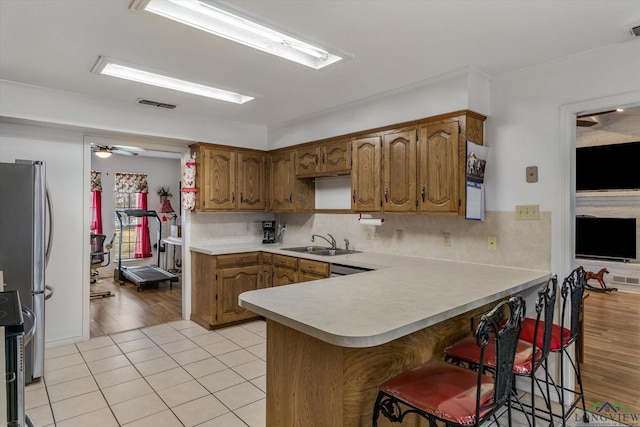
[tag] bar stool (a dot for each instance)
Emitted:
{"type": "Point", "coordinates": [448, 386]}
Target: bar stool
{"type": "Point", "coordinates": [529, 356]}
{"type": "Point", "coordinates": [572, 291]}
{"type": "Point", "coordinates": [441, 391]}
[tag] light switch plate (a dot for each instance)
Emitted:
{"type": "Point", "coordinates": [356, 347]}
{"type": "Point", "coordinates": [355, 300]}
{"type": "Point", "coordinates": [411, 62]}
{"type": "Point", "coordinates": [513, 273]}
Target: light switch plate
{"type": "Point", "coordinates": [492, 243]}
{"type": "Point", "coordinates": [528, 212]}
{"type": "Point", "coordinates": [532, 174]}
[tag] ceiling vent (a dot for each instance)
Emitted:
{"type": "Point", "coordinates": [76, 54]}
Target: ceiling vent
{"type": "Point", "coordinates": [156, 104]}
{"type": "Point", "coordinates": [634, 31]}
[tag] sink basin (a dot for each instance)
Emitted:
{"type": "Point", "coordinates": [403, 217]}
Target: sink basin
{"type": "Point", "coordinates": [320, 250]}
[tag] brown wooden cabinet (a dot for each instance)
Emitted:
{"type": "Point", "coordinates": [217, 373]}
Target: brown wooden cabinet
{"type": "Point", "coordinates": [251, 181]}
{"type": "Point", "coordinates": [324, 158]}
{"type": "Point", "coordinates": [439, 174]}
{"type": "Point", "coordinates": [309, 270]}
{"type": "Point", "coordinates": [229, 179]}
{"type": "Point", "coordinates": [286, 192]}
{"type": "Point", "coordinates": [216, 283]}
{"type": "Point", "coordinates": [285, 270]}
{"type": "Point", "coordinates": [365, 174]}
{"type": "Point", "coordinates": [399, 170]}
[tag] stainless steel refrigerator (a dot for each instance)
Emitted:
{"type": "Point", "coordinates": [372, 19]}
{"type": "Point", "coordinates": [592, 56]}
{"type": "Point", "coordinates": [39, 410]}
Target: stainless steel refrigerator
{"type": "Point", "coordinates": [26, 235]}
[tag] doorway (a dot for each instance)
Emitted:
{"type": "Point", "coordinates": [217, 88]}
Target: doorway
{"type": "Point", "coordinates": [611, 367]}
{"type": "Point", "coordinates": [129, 309]}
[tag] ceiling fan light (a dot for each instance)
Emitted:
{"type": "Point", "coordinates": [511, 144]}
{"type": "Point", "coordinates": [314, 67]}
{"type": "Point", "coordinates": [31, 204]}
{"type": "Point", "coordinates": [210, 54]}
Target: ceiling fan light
{"type": "Point", "coordinates": [214, 20]}
{"type": "Point", "coordinates": [103, 153]}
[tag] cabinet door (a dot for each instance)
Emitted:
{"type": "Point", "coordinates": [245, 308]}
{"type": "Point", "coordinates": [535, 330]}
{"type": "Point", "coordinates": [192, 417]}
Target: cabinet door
{"type": "Point", "coordinates": [365, 174]}
{"type": "Point", "coordinates": [335, 158]}
{"type": "Point", "coordinates": [231, 283]}
{"type": "Point", "coordinates": [219, 172]}
{"type": "Point", "coordinates": [282, 181]}
{"type": "Point", "coordinates": [308, 161]}
{"type": "Point", "coordinates": [284, 276]}
{"type": "Point", "coordinates": [203, 289]}
{"type": "Point", "coordinates": [438, 168]}
{"type": "Point", "coordinates": [399, 176]}
{"type": "Point", "coordinates": [251, 181]}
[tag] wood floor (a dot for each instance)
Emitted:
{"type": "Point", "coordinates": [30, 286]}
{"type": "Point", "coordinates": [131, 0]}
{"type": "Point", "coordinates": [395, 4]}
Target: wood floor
{"type": "Point", "coordinates": [611, 369]}
{"type": "Point", "coordinates": [129, 309]}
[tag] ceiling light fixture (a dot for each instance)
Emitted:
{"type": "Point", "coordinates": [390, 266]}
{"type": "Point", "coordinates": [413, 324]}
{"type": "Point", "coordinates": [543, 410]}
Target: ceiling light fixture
{"type": "Point", "coordinates": [115, 68]}
{"type": "Point", "coordinates": [103, 152]}
{"type": "Point", "coordinates": [206, 17]}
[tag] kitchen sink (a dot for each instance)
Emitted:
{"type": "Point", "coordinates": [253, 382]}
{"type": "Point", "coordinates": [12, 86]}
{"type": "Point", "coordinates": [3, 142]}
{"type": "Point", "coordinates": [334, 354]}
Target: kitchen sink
{"type": "Point", "coordinates": [320, 250]}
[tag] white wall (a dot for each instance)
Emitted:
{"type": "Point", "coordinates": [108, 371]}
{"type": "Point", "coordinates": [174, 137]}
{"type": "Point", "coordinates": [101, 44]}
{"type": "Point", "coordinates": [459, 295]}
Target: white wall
{"type": "Point", "coordinates": [66, 159]}
{"type": "Point", "coordinates": [21, 101]}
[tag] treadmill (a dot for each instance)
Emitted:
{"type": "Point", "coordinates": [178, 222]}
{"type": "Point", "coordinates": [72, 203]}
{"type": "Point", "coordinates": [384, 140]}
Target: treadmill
{"type": "Point", "coordinates": [142, 275]}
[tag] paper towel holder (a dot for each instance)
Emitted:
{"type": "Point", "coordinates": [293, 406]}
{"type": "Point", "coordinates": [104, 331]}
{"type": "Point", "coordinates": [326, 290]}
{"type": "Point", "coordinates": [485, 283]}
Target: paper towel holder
{"type": "Point", "coordinates": [370, 220]}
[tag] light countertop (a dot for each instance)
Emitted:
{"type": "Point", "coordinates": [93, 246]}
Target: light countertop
{"type": "Point", "coordinates": [403, 295]}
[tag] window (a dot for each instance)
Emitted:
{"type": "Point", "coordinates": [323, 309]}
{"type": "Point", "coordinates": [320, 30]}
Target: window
{"type": "Point", "coordinates": [125, 201]}
{"type": "Point", "coordinates": [131, 193]}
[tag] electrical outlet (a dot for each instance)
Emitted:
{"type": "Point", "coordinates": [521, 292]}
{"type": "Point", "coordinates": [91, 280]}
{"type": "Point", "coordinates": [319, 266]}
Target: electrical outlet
{"type": "Point", "coordinates": [399, 235]}
{"type": "Point", "coordinates": [492, 243]}
{"type": "Point", "coordinates": [528, 212]}
{"type": "Point", "coordinates": [446, 239]}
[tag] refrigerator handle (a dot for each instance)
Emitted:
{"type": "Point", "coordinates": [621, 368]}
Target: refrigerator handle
{"type": "Point", "coordinates": [50, 236]}
{"type": "Point", "coordinates": [28, 313]}
{"type": "Point", "coordinates": [50, 294]}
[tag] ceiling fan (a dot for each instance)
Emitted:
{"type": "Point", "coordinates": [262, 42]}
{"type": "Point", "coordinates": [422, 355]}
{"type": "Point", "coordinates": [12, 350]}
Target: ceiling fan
{"type": "Point", "coordinates": [592, 121]}
{"type": "Point", "coordinates": [105, 151]}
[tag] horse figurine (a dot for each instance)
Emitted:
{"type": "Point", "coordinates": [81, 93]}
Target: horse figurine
{"type": "Point", "coordinates": [599, 276]}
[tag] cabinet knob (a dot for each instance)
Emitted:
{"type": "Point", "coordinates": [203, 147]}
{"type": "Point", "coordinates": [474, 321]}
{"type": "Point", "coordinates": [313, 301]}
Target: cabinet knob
{"type": "Point", "coordinates": [241, 197]}
{"type": "Point", "coordinates": [324, 159]}
{"type": "Point", "coordinates": [386, 195]}
{"type": "Point", "coordinates": [316, 160]}
{"type": "Point", "coordinates": [290, 197]}
{"type": "Point", "coordinates": [233, 197]}
{"type": "Point", "coordinates": [423, 193]}
{"type": "Point", "coordinates": [354, 196]}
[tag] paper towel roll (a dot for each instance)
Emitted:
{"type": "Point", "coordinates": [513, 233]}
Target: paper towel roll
{"type": "Point", "coordinates": [371, 221]}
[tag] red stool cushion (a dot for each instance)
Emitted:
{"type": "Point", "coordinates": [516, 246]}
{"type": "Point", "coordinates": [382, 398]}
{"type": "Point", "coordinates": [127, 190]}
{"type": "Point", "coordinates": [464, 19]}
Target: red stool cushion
{"type": "Point", "coordinates": [442, 389]}
{"type": "Point", "coordinates": [467, 350]}
{"type": "Point", "coordinates": [529, 327]}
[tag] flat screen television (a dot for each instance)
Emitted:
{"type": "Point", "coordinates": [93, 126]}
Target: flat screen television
{"type": "Point", "coordinates": [606, 238]}
{"type": "Point", "coordinates": [608, 167]}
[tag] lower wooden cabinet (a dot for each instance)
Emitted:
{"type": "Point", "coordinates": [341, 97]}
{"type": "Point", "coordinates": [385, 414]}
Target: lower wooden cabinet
{"type": "Point", "coordinates": [285, 270]}
{"type": "Point", "coordinates": [216, 283]}
{"type": "Point", "coordinates": [309, 270]}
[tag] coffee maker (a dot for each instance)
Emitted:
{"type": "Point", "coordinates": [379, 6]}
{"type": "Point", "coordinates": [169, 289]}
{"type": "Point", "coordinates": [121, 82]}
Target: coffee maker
{"type": "Point", "coordinates": [268, 231]}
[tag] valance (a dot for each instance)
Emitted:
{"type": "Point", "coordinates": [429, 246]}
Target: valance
{"type": "Point", "coordinates": [96, 181]}
{"type": "Point", "coordinates": [131, 183]}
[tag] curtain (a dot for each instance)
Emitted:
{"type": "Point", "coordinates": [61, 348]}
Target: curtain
{"type": "Point", "coordinates": [96, 202]}
{"type": "Point", "coordinates": [143, 240]}
{"type": "Point", "coordinates": [137, 183]}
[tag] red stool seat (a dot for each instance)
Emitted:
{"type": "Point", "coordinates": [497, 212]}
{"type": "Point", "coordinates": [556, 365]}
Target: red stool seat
{"type": "Point", "coordinates": [442, 389]}
{"type": "Point", "coordinates": [467, 350]}
{"type": "Point", "coordinates": [528, 329]}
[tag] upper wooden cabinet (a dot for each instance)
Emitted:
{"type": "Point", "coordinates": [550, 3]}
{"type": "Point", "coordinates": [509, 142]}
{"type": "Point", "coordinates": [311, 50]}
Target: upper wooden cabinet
{"type": "Point", "coordinates": [229, 179]}
{"type": "Point", "coordinates": [286, 192]}
{"type": "Point", "coordinates": [399, 171]}
{"type": "Point", "coordinates": [365, 174]}
{"type": "Point", "coordinates": [439, 174]}
{"type": "Point", "coordinates": [324, 159]}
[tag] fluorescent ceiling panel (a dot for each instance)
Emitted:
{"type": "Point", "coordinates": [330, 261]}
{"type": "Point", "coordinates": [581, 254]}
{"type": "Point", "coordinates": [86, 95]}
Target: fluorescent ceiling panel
{"type": "Point", "coordinates": [206, 17]}
{"type": "Point", "coordinates": [115, 68]}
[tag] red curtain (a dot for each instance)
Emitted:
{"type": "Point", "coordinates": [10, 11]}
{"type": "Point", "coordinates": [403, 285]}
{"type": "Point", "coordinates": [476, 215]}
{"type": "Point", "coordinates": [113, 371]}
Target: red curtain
{"type": "Point", "coordinates": [96, 202]}
{"type": "Point", "coordinates": [96, 212]}
{"type": "Point", "coordinates": [143, 240]}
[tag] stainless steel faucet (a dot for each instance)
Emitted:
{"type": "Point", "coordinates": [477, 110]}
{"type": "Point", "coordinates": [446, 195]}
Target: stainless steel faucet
{"type": "Point", "coordinates": [332, 242]}
{"type": "Point", "coordinates": [346, 244]}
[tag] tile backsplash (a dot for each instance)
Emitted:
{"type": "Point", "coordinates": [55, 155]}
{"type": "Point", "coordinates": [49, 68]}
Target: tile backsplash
{"type": "Point", "coordinates": [524, 244]}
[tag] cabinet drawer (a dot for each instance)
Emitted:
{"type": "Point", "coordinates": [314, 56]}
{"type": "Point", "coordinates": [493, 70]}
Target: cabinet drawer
{"type": "Point", "coordinates": [267, 258]}
{"type": "Point", "coordinates": [237, 260]}
{"type": "Point", "coordinates": [314, 267]}
{"type": "Point", "coordinates": [285, 261]}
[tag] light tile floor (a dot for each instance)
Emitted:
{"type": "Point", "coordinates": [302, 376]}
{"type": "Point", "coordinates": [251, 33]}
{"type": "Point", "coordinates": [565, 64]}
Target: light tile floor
{"type": "Point", "coordinates": [174, 374]}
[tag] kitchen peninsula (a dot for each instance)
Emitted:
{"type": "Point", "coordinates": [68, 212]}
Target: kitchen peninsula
{"type": "Point", "coordinates": [331, 342]}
